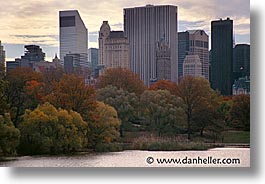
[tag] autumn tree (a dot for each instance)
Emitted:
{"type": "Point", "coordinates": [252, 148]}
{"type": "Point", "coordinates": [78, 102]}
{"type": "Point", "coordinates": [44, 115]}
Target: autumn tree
{"type": "Point", "coordinates": [105, 128]}
{"type": "Point", "coordinates": [9, 136]}
{"type": "Point", "coordinates": [164, 85]}
{"type": "Point", "coordinates": [125, 103]}
{"type": "Point", "coordinates": [122, 78]}
{"type": "Point", "coordinates": [240, 112]}
{"type": "Point", "coordinates": [23, 91]}
{"type": "Point", "coordinates": [71, 93]}
{"type": "Point", "coordinates": [47, 130]}
{"type": "Point", "coordinates": [162, 111]}
{"type": "Point", "coordinates": [3, 86]}
{"type": "Point", "coordinates": [50, 77]}
{"type": "Point", "coordinates": [195, 93]}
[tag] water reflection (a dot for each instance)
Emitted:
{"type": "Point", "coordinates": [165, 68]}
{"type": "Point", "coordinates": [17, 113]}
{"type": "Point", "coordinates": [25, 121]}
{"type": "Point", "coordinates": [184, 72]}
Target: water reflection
{"type": "Point", "coordinates": [134, 159]}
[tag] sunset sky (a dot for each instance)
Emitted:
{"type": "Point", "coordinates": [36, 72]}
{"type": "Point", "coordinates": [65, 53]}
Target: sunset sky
{"type": "Point", "coordinates": [25, 22]}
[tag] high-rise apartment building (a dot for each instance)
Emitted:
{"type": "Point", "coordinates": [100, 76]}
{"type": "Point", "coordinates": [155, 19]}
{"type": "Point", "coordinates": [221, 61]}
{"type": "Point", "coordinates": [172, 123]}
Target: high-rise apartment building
{"type": "Point", "coordinates": [194, 42]}
{"type": "Point", "coordinates": [163, 64]}
{"type": "Point", "coordinates": [192, 66]}
{"type": "Point", "coordinates": [73, 36]}
{"type": "Point", "coordinates": [93, 61]}
{"type": "Point", "coordinates": [222, 56]}
{"type": "Point", "coordinates": [144, 26]}
{"type": "Point", "coordinates": [2, 54]}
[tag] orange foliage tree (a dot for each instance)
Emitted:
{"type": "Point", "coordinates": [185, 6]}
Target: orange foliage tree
{"type": "Point", "coordinates": [122, 78]}
{"type": "Point", "coordinates": [164, 85]}
{"type": "Point", "coordinates": [71, 93]}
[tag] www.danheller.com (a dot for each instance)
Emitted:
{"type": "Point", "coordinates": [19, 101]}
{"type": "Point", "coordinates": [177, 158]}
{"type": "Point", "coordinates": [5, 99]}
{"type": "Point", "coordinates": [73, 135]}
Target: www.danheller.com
{"type": "Point", "coordinates": [193, 161]}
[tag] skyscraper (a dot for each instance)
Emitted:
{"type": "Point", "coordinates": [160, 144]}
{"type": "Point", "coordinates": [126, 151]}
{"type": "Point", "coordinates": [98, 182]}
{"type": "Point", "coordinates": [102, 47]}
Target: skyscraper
{"type": "Point", "coordinates": [194, 42]}
{"type": "Point", "coordinates": [73, 36]}
{"type": "Point", "coordinates": [144, 27]}
{"type": "Point", "coordinates": [183, 50]}
{"type": "Point", "coordinates": [222, 56]}
{"type": "Point", "coordinates": [241, 60]}
{"type": "Point", "coordinates": [2, 54]}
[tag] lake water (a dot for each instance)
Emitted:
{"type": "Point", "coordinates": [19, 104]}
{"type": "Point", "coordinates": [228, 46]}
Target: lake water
{"type": "Point", "coordinates": [228, 157]}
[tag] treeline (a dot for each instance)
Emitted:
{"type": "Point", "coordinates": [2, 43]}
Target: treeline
{"type": "Point", "coordinates": [54, 112]}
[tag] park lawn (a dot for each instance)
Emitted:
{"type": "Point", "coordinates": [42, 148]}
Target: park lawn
{"type": "Point", "coordinates": [237, 137]}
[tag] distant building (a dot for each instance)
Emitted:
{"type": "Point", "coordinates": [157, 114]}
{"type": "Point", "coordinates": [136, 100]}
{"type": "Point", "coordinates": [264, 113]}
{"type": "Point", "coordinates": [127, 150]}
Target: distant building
{"type": "Point", "coordinates": [183, 50]}
{"type": "Point", "coordinates": [73, 63]}
{"type": "Point", "coordinates": [103, 35]}
{"type": "Point", "coordinates": [2, 54]}
{"type": "Point", "coordinates": [10, 65]}
{"type": "Point", "coordinates": [241, 86]}
{"type": "Point", "coordinates": [113, 48]}
{"type": "Point", "coordinates": [194, 42]}
{"type": "Point", "coordinates": [163, 60]}
{"type": "Point", "coordinates": [33, 54]}
{"type": "Point", "coordinates": [93, 61]}
{"type": "Point", "coordinates": [144, 26]}
{"type": "Point", "coordinates": [222, 56]}
{"type": "Point", "coordinates": [192, 66]}
{"type": "Point", "coordinates": [241, 60]}
{"type": "Point", "coordinates": [73, 37]}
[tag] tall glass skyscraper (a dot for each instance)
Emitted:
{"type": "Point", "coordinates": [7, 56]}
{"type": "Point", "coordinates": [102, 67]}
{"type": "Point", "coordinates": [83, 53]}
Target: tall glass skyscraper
{"type": "Point", "coordinates": [144, 27]}
{"type": "Point", "coordinates": [73, 36]}
{"type": "Point", "coordinates": [222, 56]}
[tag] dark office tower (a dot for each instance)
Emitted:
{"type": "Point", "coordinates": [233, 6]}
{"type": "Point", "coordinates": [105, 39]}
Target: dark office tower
{"type": "Point", "coordinates": [144, 27]}
{"type": "Point", "coordinates": [222, 56]}
{"type": "Point", "coordinates": [183, 50]}
{"type": "Point", "coordinates": [241, 60]}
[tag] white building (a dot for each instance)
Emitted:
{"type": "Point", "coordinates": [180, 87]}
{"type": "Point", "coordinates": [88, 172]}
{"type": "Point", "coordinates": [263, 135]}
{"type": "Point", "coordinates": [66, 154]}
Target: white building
{"type": "Point", "coordinates": [192, 66]}
{"type": "Point", "coordinates": [73, 36]}
{"type": "Point", "coordinates": [199, 45]}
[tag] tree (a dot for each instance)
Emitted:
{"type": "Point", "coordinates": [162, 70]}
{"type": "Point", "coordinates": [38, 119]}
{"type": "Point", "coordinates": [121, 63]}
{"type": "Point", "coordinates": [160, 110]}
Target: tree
{"type": "Point", "coordinates": [9, 136]}
{"type": "Point", "coordinates": [240, 112]}
{"type": "Point", "coordinates": [47, 130]}
{"type": "Point", "coordinates": [23, 91]}
{"type": "Point", "coordinates": [122, 78]}
{"type": "Point", "coordinates": [164, 85]}
{"type": "Point", "coordinates": [50, 77]}
{"type": "Point", "coordinates": [125, 103]}
{"type": "Point", "coordinates": [106, 127]}
{"type": "Point", "coordinates": [162, 111]}
{"type": "Point", "coordinates": [195, 93]}
{"type": "Point", "coordinates": [71, 93]}
{"type": "Point", "coordinates": [3, 86]}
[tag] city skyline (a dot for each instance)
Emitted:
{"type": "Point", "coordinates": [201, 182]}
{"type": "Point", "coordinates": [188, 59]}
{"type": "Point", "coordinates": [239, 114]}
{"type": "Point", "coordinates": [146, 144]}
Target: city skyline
{"type": "Point", "coordinates": [17, 30]}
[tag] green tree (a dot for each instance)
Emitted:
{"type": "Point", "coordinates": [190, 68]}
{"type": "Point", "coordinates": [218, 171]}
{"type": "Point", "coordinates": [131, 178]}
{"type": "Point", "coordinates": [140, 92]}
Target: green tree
{"type": "Point", "coordinates": [105, 128]}
{"type": "Point", "coordinates": [240, 112]}
{"type": "Point", "coordinates": [122, 78]}
{"type": "Point", "coordinates": [125, 103]}
{"type": "Point", "coordinates": [195, 94]}
{"type": "Point", "coordinates": [9, 136]}
{"type": "Point", "coordinates": [162, 111]}
{"type": "Point", "coordinates": [47, 130]}
{"type": "Point", "coordinates": [71, 93]}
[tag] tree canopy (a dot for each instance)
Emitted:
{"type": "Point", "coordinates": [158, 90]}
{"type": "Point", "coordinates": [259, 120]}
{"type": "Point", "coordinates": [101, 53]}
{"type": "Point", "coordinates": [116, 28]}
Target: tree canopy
{"type": "Point", "coordinates": [122, 78]}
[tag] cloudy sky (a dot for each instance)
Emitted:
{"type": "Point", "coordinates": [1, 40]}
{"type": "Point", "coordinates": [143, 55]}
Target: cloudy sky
{"type": "Point", "coordinates": [36, 21]}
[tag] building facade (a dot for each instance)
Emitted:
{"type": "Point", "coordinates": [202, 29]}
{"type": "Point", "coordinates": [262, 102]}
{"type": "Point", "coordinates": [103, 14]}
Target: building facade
{"type": "Point", "coordinates": [194, 42]}
{"type": "Point", "coordinates": [2, 54]}
{"type": "Point", "coordinates": [116, 50]}
{"type": "Point", "coordinates": [144, 26]}
{"type": "Point", "coordinates": [222, 56]}
{"type": "Point", "coordinates": [113, 48]}
{"type": "Point", "coordinates": [93, 61]}
{"type": "Point", "coordinates": [73, 36]}
{"type": "Point", "coordinates": [192, 66]}
{"type": "Point", "coordinates": [241, 60]}
{"type": "Point", "coordinates": [241, 86]}
{"type": "Point", "coordinates": [163, 64]}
